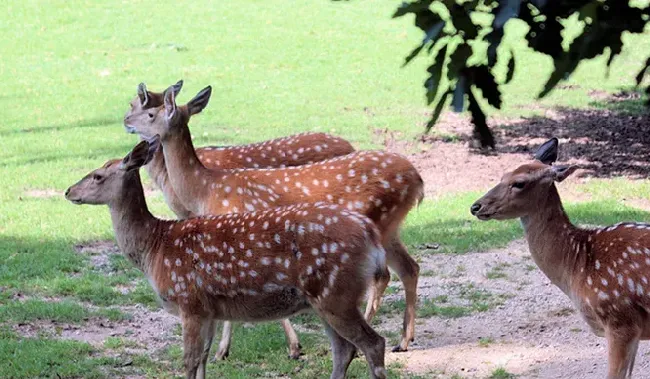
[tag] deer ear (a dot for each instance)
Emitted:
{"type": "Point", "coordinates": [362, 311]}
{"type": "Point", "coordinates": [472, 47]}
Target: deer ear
{"type": "Point", "coordinates": [141, 154]}
{"type": "Point", "coordinates": [177, 87]}
{"type": "Point", "coordinates": [547, 153]}
{"type": "Point", "coordinates": [199, 101]}
{"type": "Point", "coordinates": [143, 94]}
{"type": "Point", "coordinates": [170, 103]}
{"type": "Point", "coordinates": [562, 172]}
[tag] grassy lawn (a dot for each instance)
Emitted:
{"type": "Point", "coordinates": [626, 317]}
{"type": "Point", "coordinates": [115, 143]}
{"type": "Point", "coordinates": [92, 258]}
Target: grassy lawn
{"type": "Point", "coordinates": [69, 70]}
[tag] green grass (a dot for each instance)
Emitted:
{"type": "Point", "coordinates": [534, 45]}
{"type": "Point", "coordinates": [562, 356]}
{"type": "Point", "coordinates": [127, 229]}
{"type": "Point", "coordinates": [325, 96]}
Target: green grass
{"type": "Point", "coordinates": [70, 67]}
{"type": "Point", "coordinates": [60, 311]}
{"type": "Point", "coordinates": [501, 373]}
{"type": "Point", "coordinates": [469, 300]}
{"type": "Point", "coordinates": [447, 222]}
{"type": "Point", "coordinates": [41, 357]}
{"type": "Point", "coordinates": [485, 341]}
{"type": "Point", "coordinates": [496, 272]}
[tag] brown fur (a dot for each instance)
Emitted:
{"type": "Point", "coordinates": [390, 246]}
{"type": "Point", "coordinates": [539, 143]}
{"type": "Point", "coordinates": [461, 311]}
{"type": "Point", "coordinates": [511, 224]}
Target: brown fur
{"type": "Point", "coordinates": [294, 150]}
{"type": "Point", "coordinates": [253, 266]}
{"type": "Point", "coordinates": [604, 271]}
{"type": "Point", "coordinates": [383, 186]}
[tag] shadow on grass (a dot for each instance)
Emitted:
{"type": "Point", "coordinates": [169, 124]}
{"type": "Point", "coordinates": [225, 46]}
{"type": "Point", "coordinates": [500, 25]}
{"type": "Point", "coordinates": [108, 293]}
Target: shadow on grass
{"type": "Point", "coordinates": [114, 151]}
{"type": "Point", "coordinates": [91, 123]}
{"type": "Point", "coordinates": [611, 139]}
{"type": "Point", "coordinates": [25, 259]}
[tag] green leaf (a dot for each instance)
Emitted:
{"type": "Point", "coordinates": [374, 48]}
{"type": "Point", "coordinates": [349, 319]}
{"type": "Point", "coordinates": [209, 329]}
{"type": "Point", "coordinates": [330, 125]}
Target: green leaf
{"type": "Point", "coordinates": [458, 60]}
{"type": "Point", "coordinates": [507, 9]}
{"type": "Point", "coordinates": [412, 55]}
{"type": "Point", "coordinates": [406, 8]}
{"type": "Point", "coordinates": [459, 94]}
{"type": "Point", "coordinates": [436, 112]}
{"type": "Point", "coordinates": [641, 74]}
{"type": "Point", "coordinates": [511, 67]}
{"type": "Point", "coordinates": [463, 22]}
{"type": "Point", "coordinates": [432, 83]}
{"type": "Point", "coordinates": [484, 80]}
{"type": "Point", "coordinates": [431, 36]}
{"type": "Point", "coordinates": [494, 39]}
{"type": "Point", "coordinates": [481, 130]}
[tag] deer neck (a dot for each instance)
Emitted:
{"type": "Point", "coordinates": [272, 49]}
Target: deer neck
{"type": "Point", "coordinates": [156, 168]}
{"type": "Point", "coordinates": [555, 244]}
{"type": "Point", "coordinates": [187, 175]}
{"type": "Point", "coordinates": [136, 229]}
{"type": "Point", "coordinates": [158, 173]}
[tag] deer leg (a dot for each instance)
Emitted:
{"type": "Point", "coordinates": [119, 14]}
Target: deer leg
{"type": "Point", "coordinates": [348, 323]}
{"type": "Point", "coordinates": [224, 345]}
{"type": "Point", "coordinates": [292, 339]}
{"type": "Point", "coordinates": [207, 333]}
{"type": "Point", "coordinates": [623, 344]}
{"type": "Point", "coordinates": [633, 352]}
{"type": "Point", "coordinates": [408, 270]}
{"type": "Point", "coordinates": [342, 353]}
{"type": "Point", "coordinates": [375, 294]}
{"type": "Point", "coordinates": [192, 344]}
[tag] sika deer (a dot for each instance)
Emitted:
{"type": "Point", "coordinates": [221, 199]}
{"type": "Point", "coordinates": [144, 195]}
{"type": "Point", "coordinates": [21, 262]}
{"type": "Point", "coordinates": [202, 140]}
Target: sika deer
{"type": "Point", "coordinates": [604, 271]}
{"type": "Point", "coordinates": [254, 266]}
{"type": "Point", "coordinates": [382, 186]}
{"type": "Point", "coordinates": [293, 150]}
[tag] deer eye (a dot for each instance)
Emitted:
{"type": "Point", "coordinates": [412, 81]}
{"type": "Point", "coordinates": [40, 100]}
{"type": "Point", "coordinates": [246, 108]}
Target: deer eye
{"type": "Point", "coordinates": [151, 115]}
{"type": "Point", "coordinates": [97, 177]}
{"type": "Point", "coordinates": [519, 185]}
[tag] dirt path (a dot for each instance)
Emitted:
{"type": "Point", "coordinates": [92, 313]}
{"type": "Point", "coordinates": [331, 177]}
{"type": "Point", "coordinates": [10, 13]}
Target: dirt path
{"type": "Point", "coordinates": [534, 334]}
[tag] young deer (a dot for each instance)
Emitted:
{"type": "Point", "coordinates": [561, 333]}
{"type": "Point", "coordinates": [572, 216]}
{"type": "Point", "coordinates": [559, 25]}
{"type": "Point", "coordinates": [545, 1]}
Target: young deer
{"type": "Point", "coordinates": [604, 271]}
{"type": "Point", "coordinates": [294, 150]}
{"type": "Point", "coordinates": [288, 151]}
{"type": "Point", "coordinates": [254, 266]}
{"type": "Point", "coordinates": [382, 186]}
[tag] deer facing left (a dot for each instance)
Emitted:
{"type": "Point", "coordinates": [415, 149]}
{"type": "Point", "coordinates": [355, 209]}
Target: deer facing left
{"type": "Point", "coordinates": [254, 266]}
{"type": "Point", "coordinates": [604, 271]}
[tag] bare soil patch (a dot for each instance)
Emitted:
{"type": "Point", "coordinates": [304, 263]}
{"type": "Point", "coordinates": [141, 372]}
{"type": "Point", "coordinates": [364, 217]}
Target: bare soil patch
{"type": "Point", "coordinates": [147, 331]}
{"type": "Point", "coordinates": [99, 253]}
{"type": "Point", "coordinates": [603, 142]}
{"type": "Point", "coordinates": [42, 193]}
{"type": "Point", "coordinates": [535, 333]}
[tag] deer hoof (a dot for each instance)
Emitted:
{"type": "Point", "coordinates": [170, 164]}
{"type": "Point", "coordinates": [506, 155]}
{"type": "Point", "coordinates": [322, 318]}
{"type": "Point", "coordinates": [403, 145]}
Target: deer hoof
{"type": "Point", "coordinates": [399, 349]}
{"type": "Point", "coordinates": [221, 355]}
{"type": "Point", "coordinates": [296, 354]}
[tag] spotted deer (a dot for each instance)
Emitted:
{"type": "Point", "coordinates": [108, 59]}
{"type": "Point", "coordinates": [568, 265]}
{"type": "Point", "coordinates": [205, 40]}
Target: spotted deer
{"type": "Point", "coordinates": [380, 185]}
{"type": "Point", "coordinates": [288, 151]}
{"type": "Point", "coordinates": [604, 271]}
{"type": "Point", "coordinates": [253, 266]}
{"type": "Point", "coordinates": [293, 150]}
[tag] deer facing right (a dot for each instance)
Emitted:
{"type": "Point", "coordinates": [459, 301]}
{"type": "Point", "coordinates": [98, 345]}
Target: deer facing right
{"type": "Point", "coordinates": [212, 268]}
{"type": "Point", "coordinates": [604, 271]}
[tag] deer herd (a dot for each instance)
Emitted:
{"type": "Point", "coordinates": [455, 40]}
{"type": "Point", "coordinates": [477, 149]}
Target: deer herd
{"type": "Point", "coordinates": [269, 230]}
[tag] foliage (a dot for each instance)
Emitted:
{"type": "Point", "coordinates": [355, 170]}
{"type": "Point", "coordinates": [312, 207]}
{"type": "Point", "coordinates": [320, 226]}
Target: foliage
{"type": "Point", "coordinates": [455, 29]}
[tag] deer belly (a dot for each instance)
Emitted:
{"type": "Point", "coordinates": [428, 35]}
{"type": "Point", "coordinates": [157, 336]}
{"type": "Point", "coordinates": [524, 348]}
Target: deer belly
{"type": "Point", "coordinates": [263, 306]}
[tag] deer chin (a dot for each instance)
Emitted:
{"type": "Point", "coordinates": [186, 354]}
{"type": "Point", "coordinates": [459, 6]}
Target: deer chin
{"type": "Point", "coordinates": [75, 201]}
{"type": "Point", "coordinates": [485, 216]}
{"type": "Point", "coordinates": [130, 129]}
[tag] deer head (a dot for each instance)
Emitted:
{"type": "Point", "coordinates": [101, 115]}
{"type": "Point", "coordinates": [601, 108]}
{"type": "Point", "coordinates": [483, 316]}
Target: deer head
{"type": "Point", "coordinates": [168, 118]}
{"type": "Point", "coordinates": [146, 100]}
{"type": "Point", "coordinates": [104, 184]}
{"type": "Point", "coordinates": [525, 189]}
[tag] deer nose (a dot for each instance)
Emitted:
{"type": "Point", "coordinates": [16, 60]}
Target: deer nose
{"type": "Point", "coordinates": [475, 208]}
{"type": "Point", "coordinates": [67, 192]}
